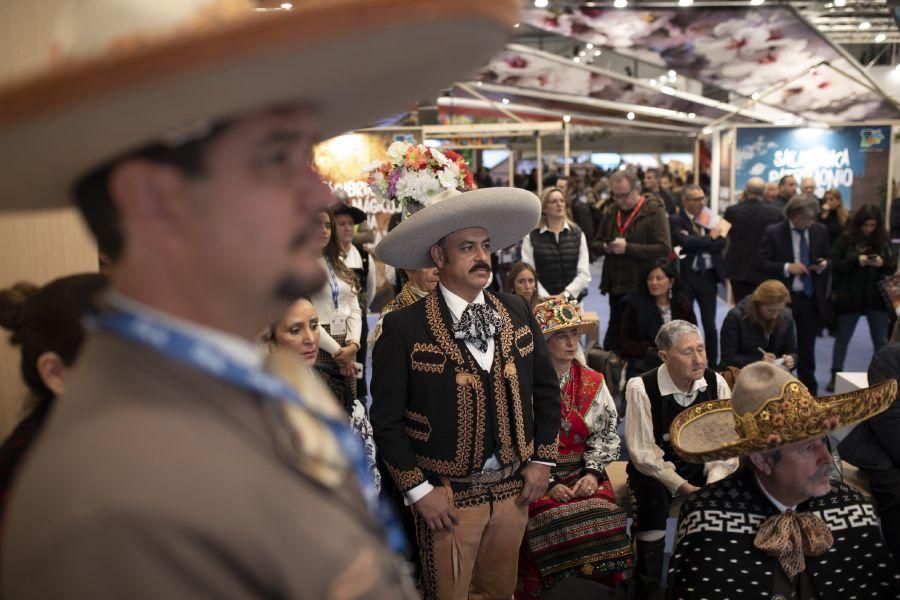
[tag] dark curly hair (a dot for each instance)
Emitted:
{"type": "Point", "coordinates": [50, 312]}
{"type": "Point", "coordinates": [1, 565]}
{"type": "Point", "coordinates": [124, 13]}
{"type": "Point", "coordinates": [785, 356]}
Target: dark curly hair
{"type": "Point", "coordinates": [48, 319]}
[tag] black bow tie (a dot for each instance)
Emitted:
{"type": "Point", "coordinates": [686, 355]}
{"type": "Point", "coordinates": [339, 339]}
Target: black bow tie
{"type": "Point", "coordinates": [478, 324]}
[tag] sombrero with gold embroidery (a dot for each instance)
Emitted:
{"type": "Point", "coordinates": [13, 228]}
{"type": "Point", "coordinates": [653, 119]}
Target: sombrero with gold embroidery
{"type": "Point", "coordinates": [556, 314]}
{"type": "Point", "coordinates": [120, 74]}
{"type": "Point", "coordinates": [770, 409]}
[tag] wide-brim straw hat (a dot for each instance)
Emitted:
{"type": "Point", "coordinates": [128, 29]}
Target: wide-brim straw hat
{"type": "Point", "coordinates": [770, 409]}
{"type": "Point", "coordinates": [128, 73]}
{"type": "Point", "coordinates": [557, 314]}
{"type": "Point", "coordinates": [506, 213]}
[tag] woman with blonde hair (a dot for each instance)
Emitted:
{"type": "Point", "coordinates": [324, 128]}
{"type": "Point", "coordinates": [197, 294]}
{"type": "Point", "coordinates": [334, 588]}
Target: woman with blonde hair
{"type": "Point", "coordinates": [558, 250]}
{"type": "Point", "coordinates": [834, 215]}
{"type": "Point", "coordinates": [760, 327]}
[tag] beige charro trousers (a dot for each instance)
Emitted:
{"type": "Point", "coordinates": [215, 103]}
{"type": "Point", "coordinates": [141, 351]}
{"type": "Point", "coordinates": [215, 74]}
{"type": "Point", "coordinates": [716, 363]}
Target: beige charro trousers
{"type": "Point", "coordinates": [479, 559]}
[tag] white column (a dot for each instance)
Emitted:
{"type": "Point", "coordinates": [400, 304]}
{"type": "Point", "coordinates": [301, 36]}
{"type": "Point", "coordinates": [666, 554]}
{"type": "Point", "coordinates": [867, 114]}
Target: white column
{"type": "Point", "coordinates": [715, 168]}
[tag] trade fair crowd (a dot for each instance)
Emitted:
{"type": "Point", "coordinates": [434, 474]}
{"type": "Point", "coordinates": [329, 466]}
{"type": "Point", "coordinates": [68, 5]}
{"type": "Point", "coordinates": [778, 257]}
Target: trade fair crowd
{"type": "Point", "coordinates": [204, 424]}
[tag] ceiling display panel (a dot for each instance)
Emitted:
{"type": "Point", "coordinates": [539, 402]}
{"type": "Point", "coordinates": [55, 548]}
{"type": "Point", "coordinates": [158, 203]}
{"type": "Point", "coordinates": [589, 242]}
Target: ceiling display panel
{"type": "Point", "coordinates": [769, 51]}
{"type": "Point", "coordinates": [527, 70]}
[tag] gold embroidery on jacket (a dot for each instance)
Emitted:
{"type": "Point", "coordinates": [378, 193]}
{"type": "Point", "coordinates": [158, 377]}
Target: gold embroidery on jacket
{"type": "Point", "coordinates": [406, 480]}
{"type": "Point", "coordinates": [524, 341]}
{"type": "Point", "coordinates": [428, 358]}
{"type": "Point", "coordinates": [422, 433]}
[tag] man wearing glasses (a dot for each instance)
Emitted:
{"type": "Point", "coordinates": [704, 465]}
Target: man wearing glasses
{"type": "Point", "coordinates": [634, 233]}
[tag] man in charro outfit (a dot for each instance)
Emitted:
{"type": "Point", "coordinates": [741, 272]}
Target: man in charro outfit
{"type": "Point", "coordinates": [656, 475]}
{"type": "Point", "coordinates": [465, 398]}
{"type": "Point", "coordinates": [779, 527]}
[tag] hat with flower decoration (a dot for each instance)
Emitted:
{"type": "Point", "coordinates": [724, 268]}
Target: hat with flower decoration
{"type": "Point", "coordinates": [433, 188]}
{"type": "Point", "coordinates": [769, 409]}
{"type": "Point", "coordinates": [557, 314]}
{"type": "Point", "coordinates": [121, 74]}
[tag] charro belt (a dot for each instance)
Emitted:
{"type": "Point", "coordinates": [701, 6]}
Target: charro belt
{"type": "Point", "coordinates": [488, 476]}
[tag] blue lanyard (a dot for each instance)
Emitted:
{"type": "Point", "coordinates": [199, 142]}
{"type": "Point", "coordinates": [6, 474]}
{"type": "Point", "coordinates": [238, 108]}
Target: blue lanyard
{"type": "Point", "coordinates": [335, 290]}
{"type": "Point", "coordinates": [209, 359]}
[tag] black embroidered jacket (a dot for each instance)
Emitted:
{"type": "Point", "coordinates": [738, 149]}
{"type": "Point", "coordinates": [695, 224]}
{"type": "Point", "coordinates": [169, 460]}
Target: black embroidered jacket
{"type": "Point", "coordinates": [436, 413]}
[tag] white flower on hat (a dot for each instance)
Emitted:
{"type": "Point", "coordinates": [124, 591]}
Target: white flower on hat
{"type": "Point", "coordinates": [397, 151]}
{"type": "Point", "coordinates": [419, 186]}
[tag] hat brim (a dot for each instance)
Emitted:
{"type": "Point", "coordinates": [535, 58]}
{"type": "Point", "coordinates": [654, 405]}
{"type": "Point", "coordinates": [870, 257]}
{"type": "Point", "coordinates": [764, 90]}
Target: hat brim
{"type": "Point", "coordinates": [706, 431]}
{"type": "Point", "coordinates": [506, 213]}
{"type": "Point", "coordinates": [345, 209]}
{"type": "Point", "coordinates": [585, 327]}
{"type": "Point", "coordinates": [351, 61]}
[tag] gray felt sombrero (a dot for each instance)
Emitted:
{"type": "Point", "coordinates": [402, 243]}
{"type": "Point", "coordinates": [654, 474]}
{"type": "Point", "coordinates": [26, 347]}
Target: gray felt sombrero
{"type": "Point", "coordinates": [507, 214]}
{"type": "Point", "coordinates": [120, 74]}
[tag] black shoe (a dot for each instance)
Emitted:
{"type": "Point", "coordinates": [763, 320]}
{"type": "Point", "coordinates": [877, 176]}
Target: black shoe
{"type": "Point", "coordinates": [830, 386]}
{"type": "Point", "coordinates": [649, 559]}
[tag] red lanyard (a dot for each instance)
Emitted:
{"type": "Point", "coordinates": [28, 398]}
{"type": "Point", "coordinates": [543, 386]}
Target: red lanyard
{"type": "Point", "coordinates": [624, 228]}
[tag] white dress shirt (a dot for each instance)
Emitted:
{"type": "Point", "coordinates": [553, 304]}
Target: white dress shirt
{"type": "Point", "coordinates": [353, 260]}
{"type": "Point", "coordinates": [583, 271]}
{"type": "Point", "coordinates": [348, 307]}
{"type": "Point", "coordinates": [796, 282]}
{"type": "Point", "coordinates": [646, 456]}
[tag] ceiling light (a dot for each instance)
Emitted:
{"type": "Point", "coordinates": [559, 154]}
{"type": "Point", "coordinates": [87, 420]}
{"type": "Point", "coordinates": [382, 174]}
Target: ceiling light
{"type": "Point", "coordinates": [582, 53]}
{"type": "Point", "coordinates": [630, 116]}
{"type": "Point", "coordinates": [541, 3]}
{"type": "Point", "coordinates": [479, 83]}
{"type": "Point", "coordinates": [589, 46]}
{"type": "Point", "coordinates": [692, 115]}
{"type": "Point", "coordinates": [685, 2]}
{"type": "Point", "coordinates": [576, 59]}
{"type": "Point", "coordinates": [516, 26]}
{"type": "Point", "coordinates": [706, 131]}
{"type": "Point", "coordinates": [880, 38]}
{"type": "Point", "coordinates": [287, 5]}
{"type": "Point", "coordinates": [567, 118]}
{"type": "Point", "coordinates": [672, 74]}
{"type": "Point", "coordinates": [597, 52]}
{"type": "Point", "coordinates": [505, 101]}
{"type": "Point", "coordinates": [865, 25]}
{"type": "Point", "coordinates": [756, 2]}
{"type": "Point", "coordinates": [653, 81]}
{"type": "Point", "coordinates": [620, 3]}
{"type": "Point", "coordinates": [667, 90]}
{"type": "Point", "coordinates": [840, 3]}
{"type": "Point", "coordinates": [755, 96]}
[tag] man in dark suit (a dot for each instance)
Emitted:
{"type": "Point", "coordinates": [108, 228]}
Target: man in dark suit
{"type": "Point", "coordinates": [796, 253]}
{"type": "Point", "coordinates": [702, 268]}
{"type": "Point", "coordinates": [748, 221]}
{"type": "Point", "coordinates": [465, 406]}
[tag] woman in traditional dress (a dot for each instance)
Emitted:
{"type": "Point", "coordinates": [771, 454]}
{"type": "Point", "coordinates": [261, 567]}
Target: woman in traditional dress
{"type": "Point", "coordinates": [576, 530]}
{"type": "Point", "coordinates": [299, 331]}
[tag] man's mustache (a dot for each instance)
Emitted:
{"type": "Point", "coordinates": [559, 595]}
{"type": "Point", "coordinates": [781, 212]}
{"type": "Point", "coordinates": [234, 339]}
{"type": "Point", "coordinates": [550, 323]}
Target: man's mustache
{"type": "Point", "coordinates": [480, 265]}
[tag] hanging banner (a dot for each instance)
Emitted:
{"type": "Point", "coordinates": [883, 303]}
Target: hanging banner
{"type": "Point", "coordinates": [853, 159]}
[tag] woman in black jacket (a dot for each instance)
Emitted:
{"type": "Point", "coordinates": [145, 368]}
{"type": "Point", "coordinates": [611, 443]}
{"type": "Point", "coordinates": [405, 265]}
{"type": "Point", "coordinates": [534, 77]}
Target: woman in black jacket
{"type": "Point", "coordinates": [860, 258]}
{"type": "Point", "coordinates": [645, 312]}
{"type": "Point", "coordinates": [760, 327]}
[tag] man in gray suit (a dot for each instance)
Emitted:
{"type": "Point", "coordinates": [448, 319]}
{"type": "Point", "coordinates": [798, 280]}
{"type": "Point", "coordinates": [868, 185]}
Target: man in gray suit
{"type": "Point", "coordinates": [175, 465]}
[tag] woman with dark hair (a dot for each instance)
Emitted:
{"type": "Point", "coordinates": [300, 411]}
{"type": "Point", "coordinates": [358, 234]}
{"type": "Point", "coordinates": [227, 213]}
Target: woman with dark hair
{"type": "Point", "coordinates": [860, 258]}
{"type": "Point", "coordinates": [760, 327]}
{"type": "Point", "coordinates": [46, 325]}
{"type": "Point", "coordinates": [298, 331]}
{"type": "Point", "coordinates": [340, 317]}
{"type": "Point", "coordinates": [645, 311]}
{"type": "Point", "coordinates": [522, 281]}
